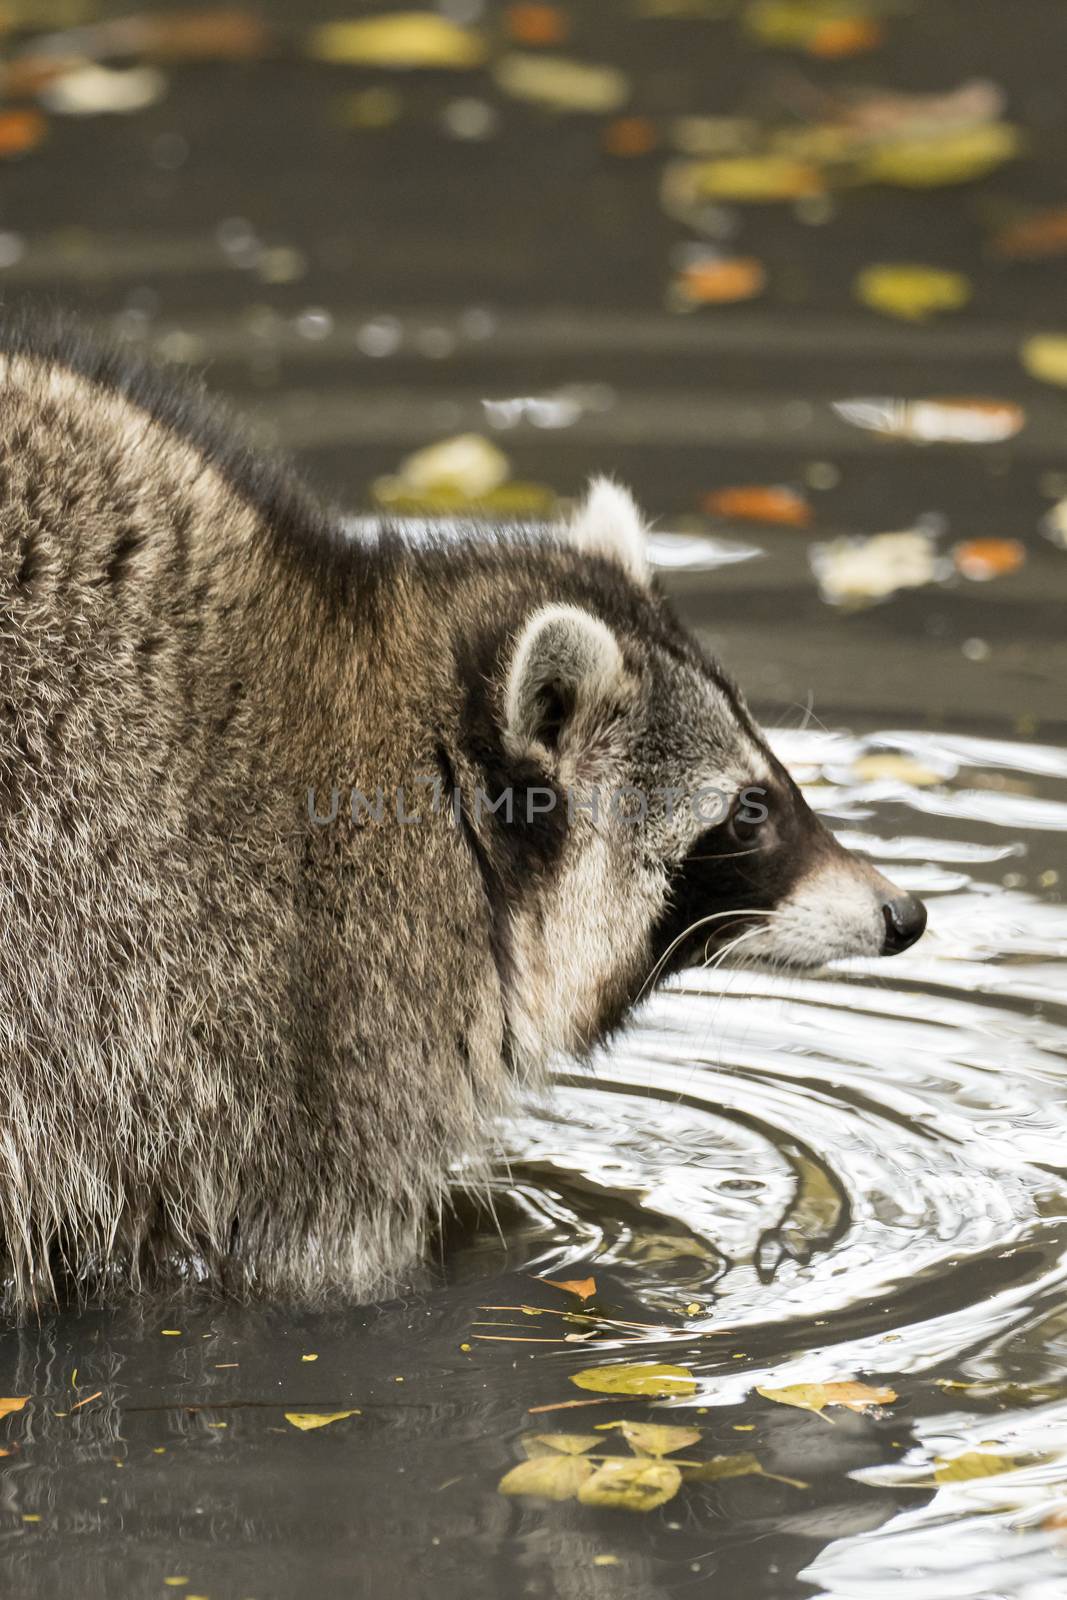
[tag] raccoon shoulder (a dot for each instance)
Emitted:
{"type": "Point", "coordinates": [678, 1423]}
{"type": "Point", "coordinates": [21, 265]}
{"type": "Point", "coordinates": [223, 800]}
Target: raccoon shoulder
{"type": "Point", "coordinates": [104, 451]}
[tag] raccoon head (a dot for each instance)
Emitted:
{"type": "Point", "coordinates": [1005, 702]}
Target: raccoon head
{"type": "Point", "coordinates": [651, 827]}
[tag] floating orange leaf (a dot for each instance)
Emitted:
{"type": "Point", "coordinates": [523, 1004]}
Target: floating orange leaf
{"type": "Point", "coordinates": [537, 24]}
{"type": "Point", "coordinates": [723, 280]}
{"type": "Point", "coordinates": [817, 1396]}
{"type": "Point", "coordinates": [1031, 238]}
{"type": "Point", "coordinates": [982, 559]}
{"type": "Point", "coordinates": [630, 136]}
{"type": "Point", "coordinates": [216, 35]}
{"type": "Point", "coordinates": [849, 36]}
{"type": "Point", "coordinates": [759, 502]}
{"type": "Point", "coordinates": [584, 1288]}
{"type": "Point", "coordinates": [20, 131]}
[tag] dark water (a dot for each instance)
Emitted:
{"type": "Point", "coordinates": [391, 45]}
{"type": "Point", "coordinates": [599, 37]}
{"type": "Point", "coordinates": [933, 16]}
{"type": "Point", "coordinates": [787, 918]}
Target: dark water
{"type": "Point", "coordinates": [854, 1177]}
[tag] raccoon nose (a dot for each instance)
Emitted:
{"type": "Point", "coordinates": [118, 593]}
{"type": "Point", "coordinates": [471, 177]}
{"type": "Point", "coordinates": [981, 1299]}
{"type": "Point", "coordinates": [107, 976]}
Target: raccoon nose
{"type": "Point", "coordinates": [905, 919]}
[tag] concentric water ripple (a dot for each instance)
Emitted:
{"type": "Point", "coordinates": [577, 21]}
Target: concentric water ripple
{"type": "Point", "coordinates": [863, 1173]}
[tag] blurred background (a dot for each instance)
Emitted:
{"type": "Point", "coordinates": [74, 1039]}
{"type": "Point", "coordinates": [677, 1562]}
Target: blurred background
{"type": "Point", "coordinates": [725, 249]}
{"type": "Point", "coordinates": [795, 270]}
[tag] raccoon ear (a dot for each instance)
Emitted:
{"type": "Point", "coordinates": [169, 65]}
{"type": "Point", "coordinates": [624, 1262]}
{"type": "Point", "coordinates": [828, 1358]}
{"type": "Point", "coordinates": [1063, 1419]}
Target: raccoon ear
{"type": "Point", "coordinates": [565, 662]}
{"type": "Point", "coordinates": [608, 523]}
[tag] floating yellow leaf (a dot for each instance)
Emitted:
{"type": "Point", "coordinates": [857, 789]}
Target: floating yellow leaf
{"type": "Point", "coordinates": [8, 1406]}
{"type": "Point", "coordinates": [1045, 356]}
{"type": "Point", "coordinates": [400, 39]}
{"type": "Point", "coordinates": [638, 1485]}
{"type": "Point", "coordinates": [826, 28]}
{"type": "Point", "coordinates": [982, 559]}
{"type": "Point", "coordinates": [755, 179]}
{"type": "Point", "coordinates": [551, 1476]}
{"type": "Point", "coordinates": [564, 1444]}
{"type": "Point", "coordinates": [961, 155]}
{"type": "Point", "coordinates": [643, 1377]}
{"type": "Point", "coordinates": [912, 292]}
{"type": "Point", "coordinates": [817, 1396]}
{"type": "Point", "coordinates": [562, 84]}
{"type": "Point", "coordinates": [899, 768]}
{"type": "Point", "coordinates": [972, 1464]}
{"type": "Point", "coordinates": [584, 1288]}
{"type": "Point", "coordinates": [306, 1420]}
{"type": "Point", "coordinates": [652, 1438]}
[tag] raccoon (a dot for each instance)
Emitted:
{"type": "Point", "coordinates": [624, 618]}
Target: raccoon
{"type": "Point", "coordinates": [313, 846]}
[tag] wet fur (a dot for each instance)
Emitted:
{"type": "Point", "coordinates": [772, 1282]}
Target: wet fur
{"type": "Point", "coordinates": [235, 1044]}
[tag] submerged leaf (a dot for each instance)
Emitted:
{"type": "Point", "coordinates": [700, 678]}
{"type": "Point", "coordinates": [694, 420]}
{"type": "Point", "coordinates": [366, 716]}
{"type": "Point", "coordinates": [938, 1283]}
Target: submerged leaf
{"type": "Point", "coordinates": [816, 1397]}
{"type": "Point", "coordinates": [654, 1438]}
{"type": "Point", "coordinates": [306, 1420]}
{"type": "Point", "coordinates": [563, 1444]}
{"type": "Point", "coordinates": [398, 39]}
{"type": "Point", "coordinates": [645, 1377]}
{"type": "Point", "coordinates": [551, 1476]}
{"type": "Point", "coordinates": [912, 292]}
{"type": "Point", "coordinates": [638, 1485]}
{"type": "Point", "coordinates": [738, 1466]}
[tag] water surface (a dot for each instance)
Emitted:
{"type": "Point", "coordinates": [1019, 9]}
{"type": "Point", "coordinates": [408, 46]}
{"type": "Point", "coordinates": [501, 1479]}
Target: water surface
{"type": "Point", "coordinates": [856, 1176]}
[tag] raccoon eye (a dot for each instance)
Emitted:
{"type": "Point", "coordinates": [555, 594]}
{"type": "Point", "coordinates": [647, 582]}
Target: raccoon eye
{"type": "Point", "coordinates": [744, 822]}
